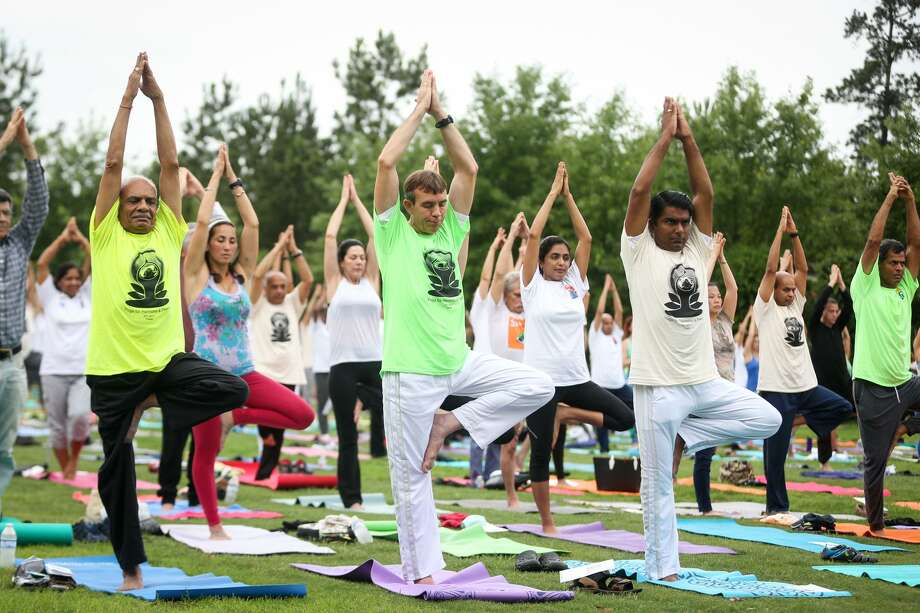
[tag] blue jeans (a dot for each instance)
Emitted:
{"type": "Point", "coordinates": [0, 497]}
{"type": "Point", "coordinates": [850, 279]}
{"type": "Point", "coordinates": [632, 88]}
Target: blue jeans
{"type": "Point", "coordinates": [625, 394]}
{"type": "Point", "coordinates": [493, 457]}
{"type": "Point", "coordinates": [12, 399]}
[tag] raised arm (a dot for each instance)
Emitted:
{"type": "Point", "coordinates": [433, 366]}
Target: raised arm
{"type": "Point", "coordinates": [303, 267]}
{"type": "Point", "coordinates": [582, 233]}
{"type": "Point", "coordinates": [742, 332]}
{"type": "Point", "coordinates": [463, 185]}
{"type": "Point", "coordinates": [198, 243]}
{"type": "Point", "coordinates": [877, 229]}
{"type": "Point", "coordinates": [318, 295]}
{"type": "Point", "coordinates": [331, 271]}
{"type": "Point", "coordinates": [531, 257]}
{"type": "Point", "coordinates": [372, 269]}
{"type": "Point", "coordinates": [768, 282]}
{"type": "Point", "coordinates": [386, 187]}
{"type": "Point", "coordinates": [166, 143]}
{"type": "Point", "coordinates": [265, 266]}
{"type": "Point", "coordinates": [35, 203]}
{"type": "Point", "coordinates": [110, 183]}
{"type": "Point", "coordinates": [640, 196]}
{"type": "Point", "coordinates": [48, 255]}
{"type": "Point", "coordinates": [730, 300]}
{"type": "Point", "coordinates": [700, 183]}
{"type": "Point", "coordinates": [488, 265]}
{"type": "Point", "coordinates": [504, 263]}
{"type": "Point", "coordinates": [823, 296]}
{"type": "Point", "coordinates": [906, 194]}
{"type": "Point", "coordinates": [9, 133]}
{"type": "Point", "coordinates": [601, 303]}
{"type": "Point", "coordinates": [249, 237]}
{"type": "Point", "coordinates": [715, 253]}
{"type": "Point", "coordinates": [77, 237]}
{"type": "Point", "coordinates": [846, 303]}
{"type": "Point", "coordinates": [749, 341]}
{"type": "Point", "coordinates": [799, 262]}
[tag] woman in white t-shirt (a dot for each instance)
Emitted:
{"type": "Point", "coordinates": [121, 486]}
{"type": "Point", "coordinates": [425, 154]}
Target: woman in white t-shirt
{"type": "Point", "coordinates": [553, 290]}
{"type": "Point", "coordinates": [353, 319]}
{"type": "Point", "coordinates": [65, 300]}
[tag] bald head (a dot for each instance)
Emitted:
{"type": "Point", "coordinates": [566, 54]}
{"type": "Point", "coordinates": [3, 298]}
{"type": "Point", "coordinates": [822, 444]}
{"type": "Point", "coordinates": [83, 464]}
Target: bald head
{"type": "Point", "coordinates": [784, 288]}
{"type": "Point", "coordinates": [607, 323]}
{"type": "Point", "coordinates": [275, 284]}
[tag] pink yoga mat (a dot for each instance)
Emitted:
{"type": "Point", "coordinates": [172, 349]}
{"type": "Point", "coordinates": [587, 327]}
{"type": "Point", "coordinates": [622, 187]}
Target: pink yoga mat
{"type": "Point", "coordinates": [821, 488]}
{"type": "Point", "coordinates": [282, 481]}
{"type": "Point", "coordinates": [318, 452]}
{"type": "Point", "coordinates": [85, 480]}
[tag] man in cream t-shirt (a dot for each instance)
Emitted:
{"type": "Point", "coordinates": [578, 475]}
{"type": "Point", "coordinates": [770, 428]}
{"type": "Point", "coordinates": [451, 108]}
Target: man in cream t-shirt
{"type": "Point", "coordinates": [787, 377]}
{"type": "Point", "coordinates": [680, 400]}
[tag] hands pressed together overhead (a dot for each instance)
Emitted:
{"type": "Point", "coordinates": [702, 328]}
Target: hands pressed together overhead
{"type": "Point", "coordinates": [17, 130]}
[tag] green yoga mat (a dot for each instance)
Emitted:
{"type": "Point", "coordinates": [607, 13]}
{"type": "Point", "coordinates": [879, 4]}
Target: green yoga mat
{"type": "Point", "coordinates": [472, 541]}
{"type": "Point", "coordinates": [39, 534]}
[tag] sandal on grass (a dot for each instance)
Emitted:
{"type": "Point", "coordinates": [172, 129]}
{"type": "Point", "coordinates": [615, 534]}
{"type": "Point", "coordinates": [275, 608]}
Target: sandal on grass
{"type": "Point", "coordinates": [605, 583]}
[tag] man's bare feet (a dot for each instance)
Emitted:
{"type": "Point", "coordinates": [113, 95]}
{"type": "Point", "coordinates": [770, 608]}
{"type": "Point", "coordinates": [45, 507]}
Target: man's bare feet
{"type": "Point", "coordinates": [514, 503]}
{"type": "Point", "coordinates": [131, 580]}
{"type": "Point", "coordinates": [669, 578]}
{"type": "Point", "coordinates": [356, 507]}
{"type": "Point", "coordinates": [167, 506]}
{"type": "Point", "coordinates": [443, 425]}
{"type": "Point", "coordinates": [679, 446]}
{"type": "Point", "coordinates": [550, 529]}
{"type": "Point", "coordinates": [218, 534]}
{"type": "Point", "coordinates": [425, 580]}
{"type": "Point", "coordinates": [826, 467]}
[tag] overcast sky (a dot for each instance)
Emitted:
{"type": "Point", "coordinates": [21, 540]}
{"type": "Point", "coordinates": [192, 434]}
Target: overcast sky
{"type": "Point", "coordinates": [646, 49]}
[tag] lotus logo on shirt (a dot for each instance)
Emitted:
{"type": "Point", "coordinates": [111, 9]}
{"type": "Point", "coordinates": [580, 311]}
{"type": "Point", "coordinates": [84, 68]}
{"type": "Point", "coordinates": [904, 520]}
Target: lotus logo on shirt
{"type": "Point", "coordinates": [794, 330]}
{"type": "Point", "coordinates": [684, 295]}
{"type": "Point", "coordinates": [573, 294]}
{"type": "Point", "coordinates": [441, 274]}
{"type": "Point", "coordinates": [901, 294]}
{"type": "Point", "coordinates": [281, 328]}
{"type": "Point", "coordinates": [148, 290]}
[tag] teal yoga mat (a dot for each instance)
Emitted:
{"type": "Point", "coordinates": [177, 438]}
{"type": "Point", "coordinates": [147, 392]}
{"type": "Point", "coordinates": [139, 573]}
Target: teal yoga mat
{"type": "Point", "coordinates": [905, 574]}
{"type": "Point", "coordinates": [39, 534]}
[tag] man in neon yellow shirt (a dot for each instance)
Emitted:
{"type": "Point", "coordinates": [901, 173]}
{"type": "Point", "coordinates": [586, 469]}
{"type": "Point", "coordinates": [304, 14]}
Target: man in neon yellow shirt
{"type": "Point", "coordinates": [136, 356]}
{"type": "Point", "coordinates": [886, 394]}
{"type": "Point", "coordinates": [425, 356]}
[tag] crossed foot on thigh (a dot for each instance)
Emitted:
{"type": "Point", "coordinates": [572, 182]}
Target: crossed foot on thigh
{"type": "Point", "coordinates": [143, 405]}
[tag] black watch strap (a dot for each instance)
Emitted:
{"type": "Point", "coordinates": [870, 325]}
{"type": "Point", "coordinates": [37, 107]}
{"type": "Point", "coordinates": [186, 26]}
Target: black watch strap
{"type": "Point", "coordinates": [238, 183]}
{"type": "Point", "coordinates": [443, 123]}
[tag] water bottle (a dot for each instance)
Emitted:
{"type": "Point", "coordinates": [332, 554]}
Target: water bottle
{"type": "Point", "coordinates": [233, 488]}
{"type": "Point", "coordinates": [8, 547]}
{"type": "Point", "coordinates": [359, 529]}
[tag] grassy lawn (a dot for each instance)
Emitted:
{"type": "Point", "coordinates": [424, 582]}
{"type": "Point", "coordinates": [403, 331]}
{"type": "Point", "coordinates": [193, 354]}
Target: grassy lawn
{"type": "Point", "coordinates": [41, 501]}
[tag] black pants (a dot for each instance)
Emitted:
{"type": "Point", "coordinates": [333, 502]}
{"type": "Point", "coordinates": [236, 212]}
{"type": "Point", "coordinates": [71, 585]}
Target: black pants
{"type": "Point", "coordinates": [170, 471]}
{"type": "Point", "coordinates": [625, 394]}
{"type": "Point", "coordinates": [879, 411]}
{"type": "Point", "coordinates": [452, 403]}
{"type": "Point", "coordinates": [344, 382]}
{"type": "Point", "coordinates": [823, 411]}
{"type": "Point", "coordinates": [190, 390]}
{"type": "Point", "coordinates": [271, 453]}
{"type": "Point", "coordinates": [588, 396]}
{"type": "Point", "coordinates": [702, 465]}
{"type": "Point", "coordinates": [322, 396]}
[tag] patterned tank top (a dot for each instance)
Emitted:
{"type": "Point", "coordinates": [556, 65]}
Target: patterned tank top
{"type": "Point", "coordinates": [221, 333]}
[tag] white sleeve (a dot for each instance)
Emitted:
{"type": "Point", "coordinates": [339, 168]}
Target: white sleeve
{"type": "Point", "coordinates": [573, 276]}
{"type": "Point", "coordinates": [46, 290]}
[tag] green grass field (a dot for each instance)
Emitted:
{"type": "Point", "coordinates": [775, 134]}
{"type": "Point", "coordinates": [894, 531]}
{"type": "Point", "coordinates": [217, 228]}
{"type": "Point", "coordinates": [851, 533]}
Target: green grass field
{"type": "Point", "coordinates": [41, 501]}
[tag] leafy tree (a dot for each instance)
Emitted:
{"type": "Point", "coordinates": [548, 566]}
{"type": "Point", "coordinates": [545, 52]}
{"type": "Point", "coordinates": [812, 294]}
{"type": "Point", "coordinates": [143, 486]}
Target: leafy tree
{"type": "Point", "coordinates": [18, 73]}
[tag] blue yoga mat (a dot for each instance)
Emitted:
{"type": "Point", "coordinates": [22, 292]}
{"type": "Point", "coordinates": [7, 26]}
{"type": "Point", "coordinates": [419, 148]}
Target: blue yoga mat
{"type": "Point", "coordinates": [728, 584]}
{"type": "Point", "coordinates": [102, 574]}
{"type": "Point", "coordinates": [807, 541]}
{"type": "Point", "coordinates": [832, 474]}
{"type": "Point", "coordinates": [903, 574]}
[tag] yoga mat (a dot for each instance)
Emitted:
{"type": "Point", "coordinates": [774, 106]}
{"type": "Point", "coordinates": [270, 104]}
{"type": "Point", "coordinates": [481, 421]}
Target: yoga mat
{"type": "Point", "coordinates": [892, 534]}
{"type": "Point", "coordinates": [282, 481]}
{"type": "Point", "coordinates": [807, 541]}
{"type": "Point", "coordinates": [85, 480]}
{"type": "Point", "coordinates": [822, 488]}
{"type": "Point", "coordinates": [728, 584]}
{"type": "Point", "coordinates": [726, 487]}
{"type": "Point", "coordinates": [579, 485]}
{"type": "Point", "coordinates": [374, 504]}
{"type": "Point", "coordinates": [901, 574]}
{"type": "Point", "coordinates": [495, 504]}
{"type": "Point", "coordinates": [908, 505]}
{"type": "Point", "coordinates": [464, 482]}
{"type": "Point", "coordinates": [102, 574]}
{"type": "Point", "coordinates": [183, 511]}
{"type": "Point", "coordinates": [39, 534]}
{"type": "Point", "coordinates": [596, 534]}
{"type": "Point", "coordinates": [831, 474]}
{"type": "Point", "coordinates": [382, 528]}
{"type": "Point", "coordinates": [471, 583]}
{"type": "Point", "coordinates": [452, 463]}
{"type": "Point", "coordinates": [463, 543]}
{"type": "Point", "coordinates": [244, 540]}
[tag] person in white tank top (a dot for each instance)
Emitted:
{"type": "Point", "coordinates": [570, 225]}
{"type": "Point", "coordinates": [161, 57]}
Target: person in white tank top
{"type": "Point", "coordinates": [353, 320]}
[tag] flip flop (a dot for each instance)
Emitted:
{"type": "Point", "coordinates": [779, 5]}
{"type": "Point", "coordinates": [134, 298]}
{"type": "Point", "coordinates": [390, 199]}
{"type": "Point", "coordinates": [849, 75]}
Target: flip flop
{"type": "Point", "coordinates": [604, 583]}
{"type": "Point", "coordinates": [527, 562]}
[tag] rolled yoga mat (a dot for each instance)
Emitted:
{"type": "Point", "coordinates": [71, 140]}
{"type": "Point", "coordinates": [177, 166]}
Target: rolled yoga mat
{"type": "Point", "coordinates": [39, 534]}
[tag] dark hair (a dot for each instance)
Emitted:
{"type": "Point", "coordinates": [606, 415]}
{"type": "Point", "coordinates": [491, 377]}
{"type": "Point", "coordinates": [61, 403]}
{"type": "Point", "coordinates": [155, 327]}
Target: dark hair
{"type": "Point", "coordinates": [676, 199]}
{"type": "Point", "coordinates": [549, 242]}
{"type": "Point", "coordinates": [233, 271]}
{"type": "Point", "coordinates": [426, 180]}
{"type": "Point", "coordinates": [831, 301]}
{"type": "Point", "coordinates": [5, 197]}
{"type": "Point", "coordinates": [714, 284]}
{"type": "Point", "coordinates": [62, 271]}
{"type": "Point", "coordinates": [887, 246]}
{"type": "Point", "coordinates": [347, 244]}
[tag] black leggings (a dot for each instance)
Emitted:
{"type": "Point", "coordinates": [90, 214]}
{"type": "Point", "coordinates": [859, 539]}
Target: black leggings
{"type": "Point", "coordinates": [588, 396]}
{"type": "Point", "coordinates": [344, 381]}
{"type": "Point", "coordinates": [170, 472]}
{"type": "Point", "coordinates": [271, 453]}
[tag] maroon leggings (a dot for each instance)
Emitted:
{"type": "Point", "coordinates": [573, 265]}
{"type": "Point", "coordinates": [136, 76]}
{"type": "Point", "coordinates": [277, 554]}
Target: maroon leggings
{"type": "Point", "coordinates": [269, 404]}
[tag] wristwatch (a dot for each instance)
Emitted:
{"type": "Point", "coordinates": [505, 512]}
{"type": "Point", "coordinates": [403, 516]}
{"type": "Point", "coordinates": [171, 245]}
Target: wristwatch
{"type": "Point", "coordinates": [443, 123]}
{"type": "Point", "coordinates": [237, 183]}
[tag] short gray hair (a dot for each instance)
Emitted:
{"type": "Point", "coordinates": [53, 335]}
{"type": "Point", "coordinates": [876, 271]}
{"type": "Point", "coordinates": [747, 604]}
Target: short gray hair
{"type": "Point", "coordinates": [132, 178]}
{"type": "Point", "coordinates": [273, 273]}
{"type": "Point", "coordinates": [512, 280]}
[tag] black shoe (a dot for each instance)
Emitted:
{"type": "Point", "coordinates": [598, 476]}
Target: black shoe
{"type": "Point", "coordinates": [813, 522]}
{"type": "Point", "coordinates": [527, 562]}
{"type": "Point", "coordinates": [268, 462]}
{"type": "Point", "coordinates": [842, 553]}
{"type": "Point", "coordinates": [551, 562]}
{"type": "Point", "coordinates": [912, 422]}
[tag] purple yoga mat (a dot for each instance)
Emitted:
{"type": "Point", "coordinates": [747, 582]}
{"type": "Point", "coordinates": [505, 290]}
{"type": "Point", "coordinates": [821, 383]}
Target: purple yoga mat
{"type": "Point", "coordinates": [596, 534]}
{"type": "Point", "coordinates": [471, 583]}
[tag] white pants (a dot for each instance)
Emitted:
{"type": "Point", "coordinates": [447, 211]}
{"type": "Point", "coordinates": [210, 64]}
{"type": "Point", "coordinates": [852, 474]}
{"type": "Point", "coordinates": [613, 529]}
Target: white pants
{"type": "Point", "coordinates": [722, 412]}
{"type": "Point", "coordinates": [505, 393]}
{"type": "Point", "coordinates": [67, 400]}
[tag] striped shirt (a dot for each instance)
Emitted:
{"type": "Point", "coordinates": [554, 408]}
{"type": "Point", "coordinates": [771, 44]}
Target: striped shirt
{"type": "Point", "coordinates": [15, 249]}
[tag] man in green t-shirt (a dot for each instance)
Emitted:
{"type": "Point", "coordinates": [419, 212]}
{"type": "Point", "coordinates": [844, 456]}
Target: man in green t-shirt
{"type": "Point", "coordinates": [425, 356]}
{"type": "Point", "coordinates": [883, 289]}
{"type": "Point", "coordinates": [136, 356]}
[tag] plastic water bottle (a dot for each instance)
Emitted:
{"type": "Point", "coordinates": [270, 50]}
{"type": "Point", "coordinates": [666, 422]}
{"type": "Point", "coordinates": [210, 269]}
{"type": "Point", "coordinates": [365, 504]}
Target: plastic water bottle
{"type": "Point", "coordinates": [359, 529]}
{"type": "Point", "coordinates": [233, 488]}
{"type": "Point", "coordinates": [8, 547]}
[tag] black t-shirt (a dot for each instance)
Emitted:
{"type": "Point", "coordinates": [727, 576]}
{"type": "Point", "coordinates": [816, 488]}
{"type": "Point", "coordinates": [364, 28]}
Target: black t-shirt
{"type": "Point", "coordinates": [827, 353]}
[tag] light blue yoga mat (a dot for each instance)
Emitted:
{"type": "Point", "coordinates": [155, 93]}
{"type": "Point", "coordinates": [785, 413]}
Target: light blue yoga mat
{"type": "Point", "coordinates": [728, 584]}
{"type": "Point", "coordinates": [902, 574]}
{"type": "Point", "coordinates": [102, 574]}
{"type": "Point", "coordinates": [374, 504]}
{"type": "Point", "coordinates": [807, 541]}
